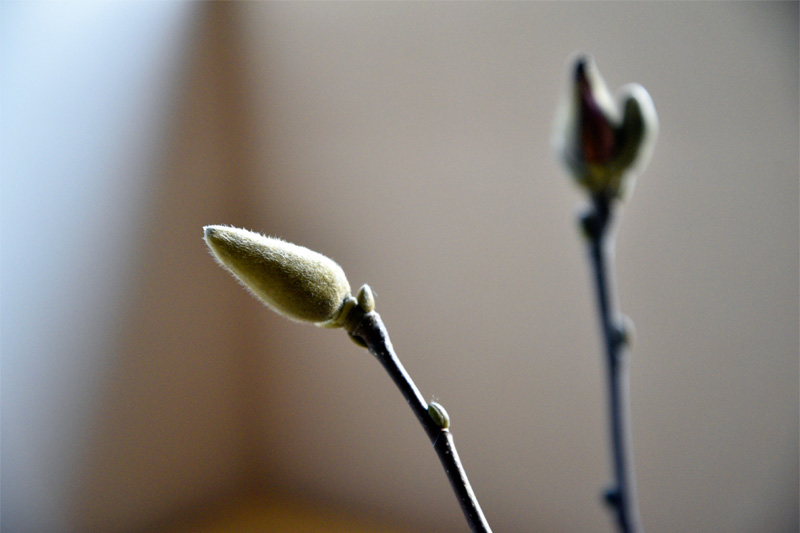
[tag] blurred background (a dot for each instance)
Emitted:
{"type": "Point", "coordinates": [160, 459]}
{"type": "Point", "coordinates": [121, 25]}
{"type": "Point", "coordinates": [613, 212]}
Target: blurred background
{"type": "Point", "coordinates": [144, 390]}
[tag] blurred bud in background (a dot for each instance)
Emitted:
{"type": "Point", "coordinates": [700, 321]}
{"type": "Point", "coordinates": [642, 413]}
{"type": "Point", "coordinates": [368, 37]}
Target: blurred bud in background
{"type": "Point", "coordinates": [604, 142]}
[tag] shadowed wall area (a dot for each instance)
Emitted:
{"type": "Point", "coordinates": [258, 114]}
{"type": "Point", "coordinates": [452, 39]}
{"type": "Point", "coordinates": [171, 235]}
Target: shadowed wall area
{"type": "Point", "coordinates": [143, 389]}
{"type": "Point", "coordinates": [177, 422]}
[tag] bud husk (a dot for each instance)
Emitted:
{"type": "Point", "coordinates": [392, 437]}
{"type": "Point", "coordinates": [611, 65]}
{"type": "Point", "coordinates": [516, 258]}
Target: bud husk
{"type": "Point", "coordinates": [294, 281]}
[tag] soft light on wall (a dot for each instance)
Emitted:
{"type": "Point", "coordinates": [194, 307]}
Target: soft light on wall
{"type": "Point", "coordinates": [86, 95]}
{"type": "Point", "coordinates": [410, 142]}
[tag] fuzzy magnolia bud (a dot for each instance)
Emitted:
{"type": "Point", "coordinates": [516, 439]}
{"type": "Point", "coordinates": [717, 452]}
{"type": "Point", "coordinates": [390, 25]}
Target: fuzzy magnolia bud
{"type": "Point", "coordinates": [294, 281]}
{"type": "Point", "coordinates": [604, 142]}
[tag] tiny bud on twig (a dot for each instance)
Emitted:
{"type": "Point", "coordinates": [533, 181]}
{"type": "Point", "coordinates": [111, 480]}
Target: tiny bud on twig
{"type": "Point", "coordinates": [366, 299]}
{"type": "Point", "coordinates": [624, 332]}
{"type": "Point", "coordinates": [439, 415]}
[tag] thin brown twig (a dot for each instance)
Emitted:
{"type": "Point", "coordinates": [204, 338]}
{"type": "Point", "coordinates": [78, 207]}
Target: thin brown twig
{"type": "Point", "coordinates": [369, 328]}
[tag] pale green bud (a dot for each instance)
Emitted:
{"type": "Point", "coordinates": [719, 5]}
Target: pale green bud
{"type": "Point", "coordinates": [366, 299]}
{"type": "Point", "coordinates": [439, 415]}
{"type": "Point", "coordinates": [604, 141]}
{"type": "Point", "coordinates": [294, 281]}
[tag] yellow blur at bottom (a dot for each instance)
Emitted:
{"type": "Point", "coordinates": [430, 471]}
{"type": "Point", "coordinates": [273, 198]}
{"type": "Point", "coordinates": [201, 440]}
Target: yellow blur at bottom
{"type": "Point", "coordinates": [255, 513]}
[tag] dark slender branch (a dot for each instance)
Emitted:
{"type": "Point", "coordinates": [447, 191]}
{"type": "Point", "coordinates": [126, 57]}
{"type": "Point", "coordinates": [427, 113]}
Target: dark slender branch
{"type": "Point", "coordinates": [369, 328]}
{"type": "Point", "coordinates": [621, 497]}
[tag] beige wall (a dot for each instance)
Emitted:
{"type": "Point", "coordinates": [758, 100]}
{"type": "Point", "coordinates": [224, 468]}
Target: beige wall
{"type": "Point", "coordinates": [410, 142]}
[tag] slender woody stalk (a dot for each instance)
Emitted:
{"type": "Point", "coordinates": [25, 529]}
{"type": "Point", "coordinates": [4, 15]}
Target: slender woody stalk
{"type": "Point", "coordinates": [621, 497]}
{"type": "Point", "coordinates": [304, 285]}
{"type": "Point", "coordinates": [605, 142]}
{"type": "Point", "coordinates": [369, 328]}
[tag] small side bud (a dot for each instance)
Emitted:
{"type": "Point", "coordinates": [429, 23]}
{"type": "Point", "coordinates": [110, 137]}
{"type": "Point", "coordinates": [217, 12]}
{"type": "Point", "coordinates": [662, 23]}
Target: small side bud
{"type": "Point", "coordinates": [439, 415]}
{"type": "Point", "coordinates": [358, 340]}
{"type": "Point", "coordinates": [590, 224]}
{"type": "Point", "coordinates": [624, 332]}
{"type": "Point", "coordinates": [612, 497]}
{"type": "Point", "coordinates": [292, 280]}
{"type": "Point", "coordinates": [366, 299]}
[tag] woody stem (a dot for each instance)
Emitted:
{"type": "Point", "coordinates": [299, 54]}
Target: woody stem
{"type": "Point", "coordinates": [370, 329]}
{"type": "Point", "coordinates": [621, 497]}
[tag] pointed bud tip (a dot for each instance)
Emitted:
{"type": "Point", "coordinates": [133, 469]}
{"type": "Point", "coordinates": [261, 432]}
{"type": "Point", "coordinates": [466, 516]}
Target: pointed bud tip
{"type": "Point", "coordinates": [211, 233]}
{"type": "Point", "coordinates": [582, 64]}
